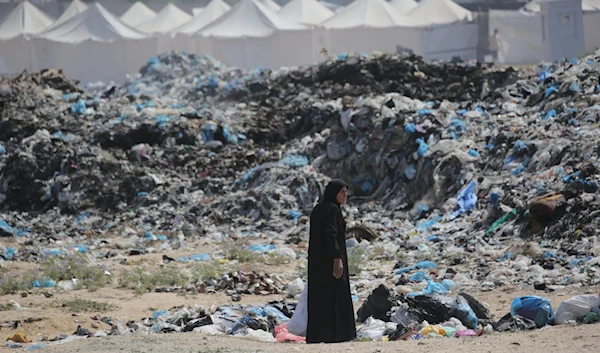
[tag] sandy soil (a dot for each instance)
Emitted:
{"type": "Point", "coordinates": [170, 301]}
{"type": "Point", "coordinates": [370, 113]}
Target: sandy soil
{"type": "Point", "coordinates": [40, 317]}
{"type": "Point", "coordinates": [43, 317]}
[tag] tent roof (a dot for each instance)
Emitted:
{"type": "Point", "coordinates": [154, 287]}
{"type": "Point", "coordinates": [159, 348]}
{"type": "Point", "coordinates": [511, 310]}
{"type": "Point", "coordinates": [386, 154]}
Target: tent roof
{"type": "Point", "coordinates": [369, 13]}
{"type": "Point", "coordinates": [74, 8]}
{"type": "Point", "coordinates": [586, 5]}
{"type": "Point", "coordinates": [96, 24]}
{"type": "Point", "coordinates": [310, 12]}
{"type": "Point", "coordinates": [432, 12]}
{"type": "Point", "coordinates": [197, 10]}
{"type": "Point", "coordinates": [271, 5]}
{"type": "Point", "coordinates": [209, 14]}
{"type": "Point", "coordinates": [249, 18]}
{"type": "Point", "coordinates": [331, 6]}
{"type": "Point", "coordinates": [25, 19]}
{"type": "Point", "coordinates": [169, 18]}
{"type": "Point", "coordinates": [404, 5]}
{"type": "Point", "coordinates": [137, 14]}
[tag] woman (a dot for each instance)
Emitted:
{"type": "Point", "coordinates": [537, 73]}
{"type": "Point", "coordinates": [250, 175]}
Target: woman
{"type": "Point", "coordinates": [330, 310]}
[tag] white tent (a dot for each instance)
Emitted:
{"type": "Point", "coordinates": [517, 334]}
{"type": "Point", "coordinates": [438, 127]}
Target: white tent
{"type": "Point", "coordinates": [593, 3]}
{"type": "Point", "coordinates": [369, 14]}
{"type": "Point", "coordinates": [95, 24]}
{"type": "Point", "coordinates": [137, 14]}
{"type": "Point", "coordinates": [25, 19]}
{"type": "Point", "coordinates": [197, 10]}
{"type": "Point", "coordinates": [271, 5]}
{"type": "Point", "coordinates": [439, 12]}
{"type": "Point", "coordinates": [94, 45]}
{"type": "Point", "coordinates": [309, 12]}
{"type": "Point", "coordinates": [249, 18]}
{"type": "Point", "coordinates": [331, 6]}
{"type": "Point", "coordinates": [169, 18]}
{"type": "Point", "coordinates": [447, 30]}
{"type": "Point", "coordinates": [368, 26]}
{"type": "Point", "coordinates": [15, 48]}
{"type": "Point", "coordinates": [184, 35]}
{"type": "Point", "coordinates": [211, 13]}
{"type": "Point", "coordinates": [74, 8]}
{"type": "Point", "coordinates": [586, 5]}
{"type": "Point", "coordinates": [250, 35]}
{"type": "Point", "coordinates": [404, 5]}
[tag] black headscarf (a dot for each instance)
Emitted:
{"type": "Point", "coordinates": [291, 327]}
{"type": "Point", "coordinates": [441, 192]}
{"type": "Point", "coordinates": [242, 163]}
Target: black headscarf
{"type": "Point", "coordinates": [332, 189]}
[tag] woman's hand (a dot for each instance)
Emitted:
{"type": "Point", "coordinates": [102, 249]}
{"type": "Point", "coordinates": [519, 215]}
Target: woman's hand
{"type": "Point", "coordinates": [338, 268]}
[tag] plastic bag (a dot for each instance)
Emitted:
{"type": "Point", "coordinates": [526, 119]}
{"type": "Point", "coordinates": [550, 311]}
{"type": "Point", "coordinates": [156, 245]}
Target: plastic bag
{"type": "Point", "coordinates": [434, 309]}
{"type": "Point", "coordinates": [480, 310]}
{"type": "Point", "coordinates": [209, 330]}
{"type": "Point", "coordinates": [514, 324]}
{"type": "Point", "coordinates": [373, 329]}
{"type": "Point", "coordinates": [377, 305]}
{"type": "Point", "coordinates": [576, 308]}
{"type": "Point", "coordinates": [299, 321]}
{"type": "Point", "coordinates": [534, 308]}
{"type": "Point", "coordinates": [283, 335]}
{"type": "Point", "coordinates": [404, 318]}
{"type": "Point", "coordinates": [258, 335]}
{"type": "Point", "coordinates": [434, 288]}
{"type": "Point", "coordinates": [465, 313]}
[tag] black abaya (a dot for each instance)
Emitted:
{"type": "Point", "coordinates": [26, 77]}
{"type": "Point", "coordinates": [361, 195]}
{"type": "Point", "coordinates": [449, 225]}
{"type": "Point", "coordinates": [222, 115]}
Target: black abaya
{"type": "Point", "coordinates": [330, 309]}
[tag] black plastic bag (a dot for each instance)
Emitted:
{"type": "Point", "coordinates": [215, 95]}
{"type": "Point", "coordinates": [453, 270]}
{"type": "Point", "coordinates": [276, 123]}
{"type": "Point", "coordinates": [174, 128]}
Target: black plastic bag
{"type": "Point", "coordinates": [514, 324]}
{"type": "Point", "coordinates": [378, 305]}
{"type": "Point", "coordinates": [434, 309]}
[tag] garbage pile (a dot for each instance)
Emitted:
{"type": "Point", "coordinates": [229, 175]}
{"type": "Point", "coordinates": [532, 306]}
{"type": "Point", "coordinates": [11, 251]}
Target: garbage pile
{"type": "Point", "coordinates": [266, 323]}
{"type": "Point", "coordinates": [386, 315]}
{"type": "Point", "coordinates": [490, 173]}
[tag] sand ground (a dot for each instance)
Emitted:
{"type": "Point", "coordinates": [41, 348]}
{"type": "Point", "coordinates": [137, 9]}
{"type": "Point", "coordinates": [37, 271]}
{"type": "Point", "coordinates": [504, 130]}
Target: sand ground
{"type": "Point", "coordinates": [43, 317]}
{"type": "Point", "coordinates": [40, 317]}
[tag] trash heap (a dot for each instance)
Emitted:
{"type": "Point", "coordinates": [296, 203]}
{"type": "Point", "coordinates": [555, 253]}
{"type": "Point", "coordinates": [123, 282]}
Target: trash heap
{"type": "Point", "coordinates": [266, 323]}
{"type": "Point", "coordinates": [433, 313]}
{"type": "Point", "coordinates": [384, 316]}
{"type": "Point", "coordinates": [489, 172]}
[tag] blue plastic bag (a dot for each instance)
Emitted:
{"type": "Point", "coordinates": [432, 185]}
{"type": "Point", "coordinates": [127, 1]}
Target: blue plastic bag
{"type": "Point", "coordinates": [9, 254]}
{"type": "Point", "coordinates": [158, 313]}
{"type": "Point", "coordinates": [466, 200]}
{"type": "Point", "coordinates": [294, 161]}
{"type": "Point", "coordinates": [423, 147]}
{"type": "Point", "coordinates": [79, 107]}
{"type": "Point", "coordinates": [448, 284]}
{"type": "Point", "coordinates": [269, 310]}
{"type": "Point", "coordinates": [434, 288]}
{"type": "Point", "coordinates": [426, 265]}
{"type": "Point", "coordinates": [418, 277]}
{"type": "Point", "coordinates": [533, 308]}
{"type": "Point", "coordinates": [262, 248]}
{"type": "Point", "coordinates": [6, 228]}
{"type": "Point", "coordinates": [466, 315]}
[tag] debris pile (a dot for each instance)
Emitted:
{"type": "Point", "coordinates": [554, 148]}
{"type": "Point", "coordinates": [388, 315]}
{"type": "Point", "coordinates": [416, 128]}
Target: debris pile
{"type": "Point", "coordinates": [491, 173]}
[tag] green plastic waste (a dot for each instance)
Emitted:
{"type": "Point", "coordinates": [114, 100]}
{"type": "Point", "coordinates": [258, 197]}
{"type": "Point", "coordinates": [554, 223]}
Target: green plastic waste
{"type": "Point", "coordinates": [501, 221]}
{"type": "Point", "coordinates": [450, 331]}
{"type": "Point", "coordinates": [591, 317]}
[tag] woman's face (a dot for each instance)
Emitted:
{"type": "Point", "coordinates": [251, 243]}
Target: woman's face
{"type": "Point", "coordinates": [342, 196]}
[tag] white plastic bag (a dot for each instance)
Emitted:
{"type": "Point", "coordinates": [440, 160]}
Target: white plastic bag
{"type": "Point", "coordinates": [372, 329]}
{"type": "Point", "coordinates": [299, 321]}
{"type": "Point", "coordinates": [257, 335]}
{"type": "Point", "coordinates": [575, 309]}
